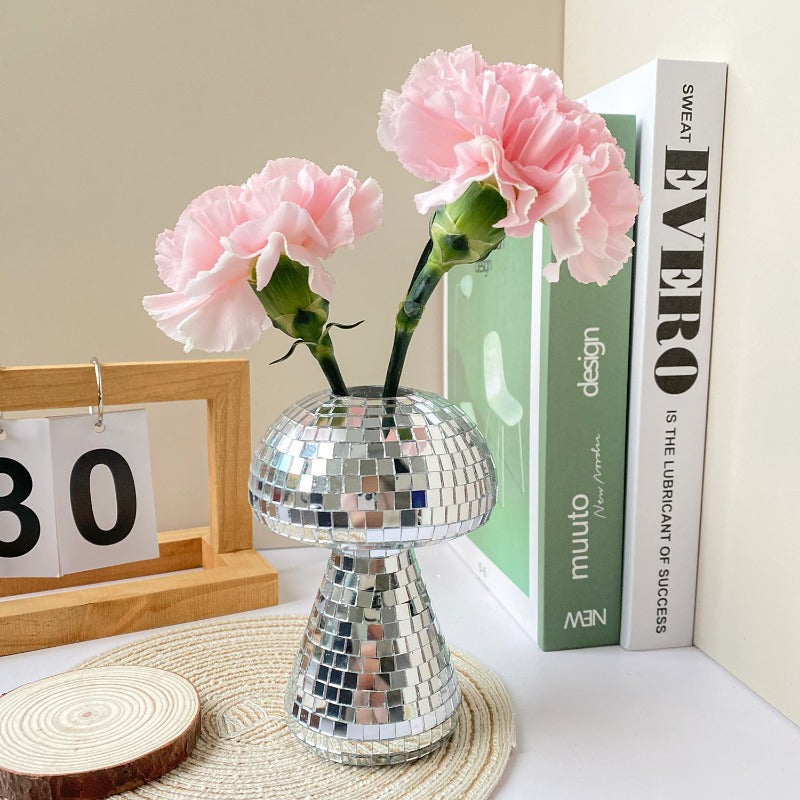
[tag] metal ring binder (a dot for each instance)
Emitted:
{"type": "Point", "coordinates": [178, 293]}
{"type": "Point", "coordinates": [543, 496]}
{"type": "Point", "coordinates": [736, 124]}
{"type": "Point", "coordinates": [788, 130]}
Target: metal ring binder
{"type": "Point", "coordinates": [99, 426]}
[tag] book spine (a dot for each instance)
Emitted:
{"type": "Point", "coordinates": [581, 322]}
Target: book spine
{"type": "Point", "coordinates": [583, 388]}
{"type": "Point", "coordinates": [680, 164]}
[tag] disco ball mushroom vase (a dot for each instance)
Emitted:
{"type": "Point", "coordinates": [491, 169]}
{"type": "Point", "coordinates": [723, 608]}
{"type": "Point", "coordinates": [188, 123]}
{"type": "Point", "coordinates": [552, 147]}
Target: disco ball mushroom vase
{"type": "Point", "coordinates": [371, 478]}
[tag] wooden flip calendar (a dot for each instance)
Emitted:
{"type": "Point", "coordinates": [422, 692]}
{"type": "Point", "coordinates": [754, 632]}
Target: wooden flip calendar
{"type": "Point", "coordinates": [232, 576]}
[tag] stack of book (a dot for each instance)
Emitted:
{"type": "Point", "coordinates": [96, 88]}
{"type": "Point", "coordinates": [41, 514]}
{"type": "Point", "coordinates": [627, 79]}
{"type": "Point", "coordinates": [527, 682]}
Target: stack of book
{"type": "Point", "coordinates": [593, 399]}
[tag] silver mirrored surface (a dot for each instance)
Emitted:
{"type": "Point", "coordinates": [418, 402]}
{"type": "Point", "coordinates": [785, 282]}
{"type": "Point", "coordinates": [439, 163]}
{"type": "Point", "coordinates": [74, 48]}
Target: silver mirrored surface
{"type": "Point", "coordinates": [372, 472]}
{"type": "Point", "coordinates": [373, 682]}
{"type": "Point", "coordinates": [371, 478]}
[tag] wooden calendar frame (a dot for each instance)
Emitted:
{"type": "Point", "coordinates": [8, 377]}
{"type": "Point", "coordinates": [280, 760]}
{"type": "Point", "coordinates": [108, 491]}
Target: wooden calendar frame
{"type": "Point", "coordinates": [231, 577]}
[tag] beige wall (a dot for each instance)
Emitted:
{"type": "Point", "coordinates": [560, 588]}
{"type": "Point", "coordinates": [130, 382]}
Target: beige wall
{"type": "Point", "coordinates": [116, 114]}
{"type": "Point", "coordinates": [749, 577]}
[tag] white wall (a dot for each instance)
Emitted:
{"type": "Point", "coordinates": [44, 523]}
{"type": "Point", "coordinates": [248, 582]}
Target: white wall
{"type": "Point", "coordinates": [749, 577]}
{"type": "Point", "coordinates": [116, 114]}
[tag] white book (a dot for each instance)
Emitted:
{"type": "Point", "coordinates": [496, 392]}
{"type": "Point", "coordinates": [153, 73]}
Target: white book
{"type": "Point", "coordinates": [679, 107]}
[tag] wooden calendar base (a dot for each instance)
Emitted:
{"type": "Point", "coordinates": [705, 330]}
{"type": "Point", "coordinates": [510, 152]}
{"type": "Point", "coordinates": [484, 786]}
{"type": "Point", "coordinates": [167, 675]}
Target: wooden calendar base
{"type": "Point", "coordinates": [201, 583]}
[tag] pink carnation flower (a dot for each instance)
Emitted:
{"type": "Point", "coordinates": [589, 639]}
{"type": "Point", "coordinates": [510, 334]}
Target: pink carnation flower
{"type": "Point", "coordinates": [292, 207]}
{"type": "Point", "coordinates": [458, 119]}
{"type": "Point", "coordinates": [306, 214]}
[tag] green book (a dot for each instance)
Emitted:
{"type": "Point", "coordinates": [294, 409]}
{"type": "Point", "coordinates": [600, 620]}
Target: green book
{"type": "Point", "coordinates": [543, 370]}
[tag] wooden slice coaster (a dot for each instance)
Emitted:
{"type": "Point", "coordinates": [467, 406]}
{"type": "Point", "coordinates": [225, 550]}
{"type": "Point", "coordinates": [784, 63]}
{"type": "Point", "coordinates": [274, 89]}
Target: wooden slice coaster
{"type": "Point", "coordinates": [88, 734]}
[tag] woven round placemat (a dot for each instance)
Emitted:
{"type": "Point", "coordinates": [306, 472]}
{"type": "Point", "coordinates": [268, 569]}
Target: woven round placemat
{"type": "Point", "coordinates": [240, 668]}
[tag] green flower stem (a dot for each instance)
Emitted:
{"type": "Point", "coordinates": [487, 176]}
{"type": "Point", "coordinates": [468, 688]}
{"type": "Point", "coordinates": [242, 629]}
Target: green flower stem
{"type": "Point", "coordinates": [423, 260]}
{"type": "Point", "coordinates": [402, 337]}
{"type": "Point", "coordinates": [408, 318]}
{"type": "Point", "coordinates": [462, 232]}
{"type": "Point", "coordinates": [323, 352]}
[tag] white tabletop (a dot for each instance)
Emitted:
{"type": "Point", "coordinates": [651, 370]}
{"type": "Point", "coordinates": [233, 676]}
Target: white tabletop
{"type": "Point", "coordinates": [598, 723]}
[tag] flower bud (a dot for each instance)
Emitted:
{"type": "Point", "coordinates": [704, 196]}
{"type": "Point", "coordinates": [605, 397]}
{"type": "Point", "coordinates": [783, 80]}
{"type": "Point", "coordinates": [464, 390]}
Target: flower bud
{"type": "Point", "coordinates": [463, 231]}
{"type": "Point", "coordinates": [290, 303]}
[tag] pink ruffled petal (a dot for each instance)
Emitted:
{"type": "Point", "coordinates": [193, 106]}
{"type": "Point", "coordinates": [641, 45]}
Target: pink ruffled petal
{"type": "Point", "coordinates": [230, 319]}
{"type": "Point", "coordinates": [163, 307]}
{"type": "Point", "coordinates": [588, 267]}
{"type": "Point", "coordinates": [593, 229]}
{"type": "Point", "coordinates": [299, 228]}
{"type": "Point", "coordinates": [303, 255]}
{"type": "Point", "coordinates": [321, 281]}
{"type": "Point", "coordinates": [476, 161]}
{"type": "Point", "coordinates": [277, 245]}
{"type": "Point", "coordinates": [201, 248]}
{"type": "Point", "coordinates": [440, 195]}
{"type": "Point", "coordinates": [271, 194]}
{"type": "Point", "coordinates": [228, 270]}
{"type": "Point", "coordinates": [615, 193]}
{"type": "Point", "coordinates": [478, 158]}
{"type": "Point", "coordinates": [387, 127]}
{"type": "Point", "coordinates": [366, 208]}
{"type": "Point", "coordinates": [495, 101]}
{"type": "Point", "coordinates": [330, 208]}
{"type": "Point", "coordinates": [619, 246]}
{"type": "Point", "coordinates": [519, 210]}
{"type": "Point", "coordinates": [552, 272]}
{"type": "Point", "coordinates": [278, 168]}
{"type": "Point", "coordinates": [425, 142]}
{"type": "Point", "coordinates": [540, 206]}
{"type": "Point", "coordinates": [544, 140]}
{"type": "Point", "coordinates": [268, 260]}
{"type": "Point", "coordinates": [205, 227]}
{"type": "Point", "coordinates": [564, 207]}
{"type": "Point", "coordinates": [168, 259]}
{"type": "Point", "coordinates": [248, 239]}
{"type": "Point", "coordinates": [340, 171]}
